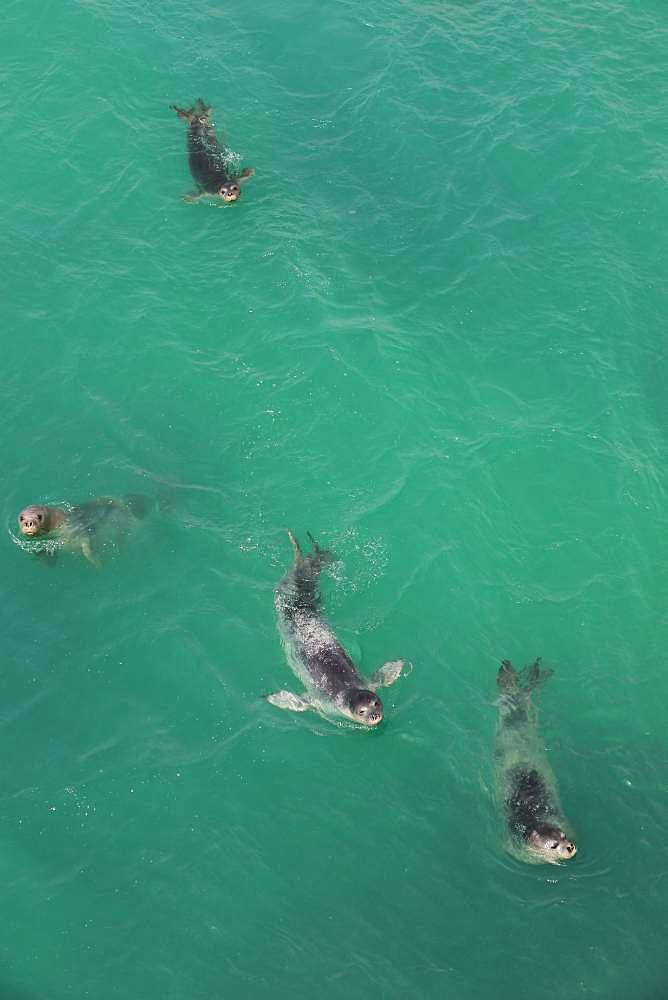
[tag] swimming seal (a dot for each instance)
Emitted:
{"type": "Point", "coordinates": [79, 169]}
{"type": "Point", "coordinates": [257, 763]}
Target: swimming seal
{"type": "Point", "coordinates": [76, 527]}
{"type": "Point", "coordinates": [526, 783]}
{"type": "Point", "coordinates": [332, 681]}
{"type": "Point", "coordinates": [207, 157]}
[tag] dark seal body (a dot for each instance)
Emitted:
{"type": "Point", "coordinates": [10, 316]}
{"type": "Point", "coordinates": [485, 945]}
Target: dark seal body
{"type": "Point", "coordinates": [207, 157]}
{"type": "Point", "coordinates": [332, 682]}
{"type": "Point", "coordinates": [526, 784]}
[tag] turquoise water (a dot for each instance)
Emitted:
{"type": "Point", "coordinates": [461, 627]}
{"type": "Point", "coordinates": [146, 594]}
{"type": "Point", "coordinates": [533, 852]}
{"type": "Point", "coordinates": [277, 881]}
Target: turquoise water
{"type": "Point", "coordinates": [432, 332]}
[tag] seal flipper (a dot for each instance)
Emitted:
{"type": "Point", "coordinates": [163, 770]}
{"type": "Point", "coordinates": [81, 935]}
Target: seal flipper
{"type": "Point", "coordinates": [187, 113]}
{"type": "Point", "coordinates": [512, 681]}
{"type": "Point", "coordinates": [296, 547]}
{"type": "Point", "coordinates": [289, 701]}
{"type": "Point", "coordinates": [322, 556]}
{"type": "Point", "coordinates": [516, 687]}
{"type": "Point", "coordinates": [533, 675]}
{"type": "Point", "coordinates": [199, 111]}
{"type": "Point", "coordinates": [87, 550]}
{"type": "Point", "coordinates": [387, 674]}
{"type": "Point", "coordinates": [507, 677]}
{"type": "Point", "coordinates": [319, 558]}
{"type": "Point", "coordinates": [320, 553]}
{"type": "Point", "coordinates": [203, 110]}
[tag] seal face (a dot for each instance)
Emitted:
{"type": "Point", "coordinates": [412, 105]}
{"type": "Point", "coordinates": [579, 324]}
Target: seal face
{"type": "Point", "coordinates": [333, 684]}
{"type": "Point", "coordinates": [35, 520]}
{"type": "Point", "coordinates": [365, 707]}
{"type": "Point", "coordinates": [526, 784]}
{"type": "Point", "coordinates": [207, 157]}
{"type": "Point", "coordinates": [546, 841]}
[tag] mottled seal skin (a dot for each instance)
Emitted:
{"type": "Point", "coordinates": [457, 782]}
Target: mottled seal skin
{"type": "Point", "coordinates": [526, 784]}
{"type": "Point", "coordinates": [207, 157]}
{"type": "Point", "coordinates": [332, 682]}
{"type": "Point", "coordinates": [76, 527]}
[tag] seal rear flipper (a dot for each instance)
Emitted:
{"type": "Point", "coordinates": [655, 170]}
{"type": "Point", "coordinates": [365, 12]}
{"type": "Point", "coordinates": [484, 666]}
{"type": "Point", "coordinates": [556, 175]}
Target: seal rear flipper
{"type": "Point", "coordinates": [387, 674]}
{"type": "Point", "coordinates": [533, 675]}
{"type": "Point", "coordinates": [199, 111]}
{"type": "Point", "coordinates": [307, 569]}
{"type": "Point", "coordinates": [187, 113]}
{"type": "Point", "coordinates": [296, 547]}
{"type": "Point", "coordinates": [506, 678]}
{"type": "Point", "coordinates": [322, 556]}
{"type": "Point", "coordinates": [289, 701]}
{"type": "Point", "coordinates": [203, 110]}
{"type": "Point", "coordinates": [511, 681]}
{"type": "Point", "coordinates": [516, 688]}
{"type": "Point", "coordinates": [321, 553]}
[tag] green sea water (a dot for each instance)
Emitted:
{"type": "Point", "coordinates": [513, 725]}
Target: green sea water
{"type": "Point", "coordinates": [432, 332]}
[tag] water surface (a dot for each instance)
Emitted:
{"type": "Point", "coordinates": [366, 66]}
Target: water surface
{"type": "Point", "coordinates": [432, 332]}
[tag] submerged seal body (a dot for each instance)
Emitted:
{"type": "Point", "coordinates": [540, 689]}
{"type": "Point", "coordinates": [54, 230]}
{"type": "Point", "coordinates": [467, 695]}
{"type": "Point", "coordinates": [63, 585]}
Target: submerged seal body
{"type": "Point", "coordinates": [526, 784]}
{"type": "Point", "coordinates": [207, 157]}
{"type": "Point", "coordinates": [79, 527]}
{"type": "Point", "coordinates": [332, 682]}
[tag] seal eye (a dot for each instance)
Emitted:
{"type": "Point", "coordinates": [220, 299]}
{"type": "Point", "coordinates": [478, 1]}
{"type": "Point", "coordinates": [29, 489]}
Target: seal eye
{"type": "Point", "coordinates": [40, 517]}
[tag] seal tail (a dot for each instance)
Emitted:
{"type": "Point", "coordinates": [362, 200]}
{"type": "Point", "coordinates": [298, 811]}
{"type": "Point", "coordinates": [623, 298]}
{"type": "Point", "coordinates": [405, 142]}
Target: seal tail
{"type": "Point", "coordinates": [307, 569]}
{"type": "Point", "coordinates": [199, 111]}
{"type": "Point", "coordinates": [516, 687]}
{"type": "Point", "coordinates": [512, 681]}
{"type": "Point", "coordinates": [296, 547]}
{"type": "Point", "coordinates": [301, 584]}
{"type": "Point", "coordinates": [322, 556]}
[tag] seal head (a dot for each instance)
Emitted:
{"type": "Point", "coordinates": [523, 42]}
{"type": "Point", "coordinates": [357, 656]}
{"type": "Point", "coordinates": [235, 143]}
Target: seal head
{"type": "Point", "coordinates": [549, 843]}
{"type": "Point", "coordinates": [365, 707]}
{"type": "Point", "coordinates": [230, 191]}
{"type": "Point", "coordinates": [34, 521]}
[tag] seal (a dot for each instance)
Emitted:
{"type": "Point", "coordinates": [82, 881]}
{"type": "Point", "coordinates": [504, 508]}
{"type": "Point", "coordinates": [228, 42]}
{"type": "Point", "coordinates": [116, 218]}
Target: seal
{"type": "Point", "coordinates": [526, 785]}
{"type": "Point", "coordinates": [333, 684]}
{"type": "Point", "coordinates": [79, 527]}
{"type": "Point", "coordinates": [207, 157]}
